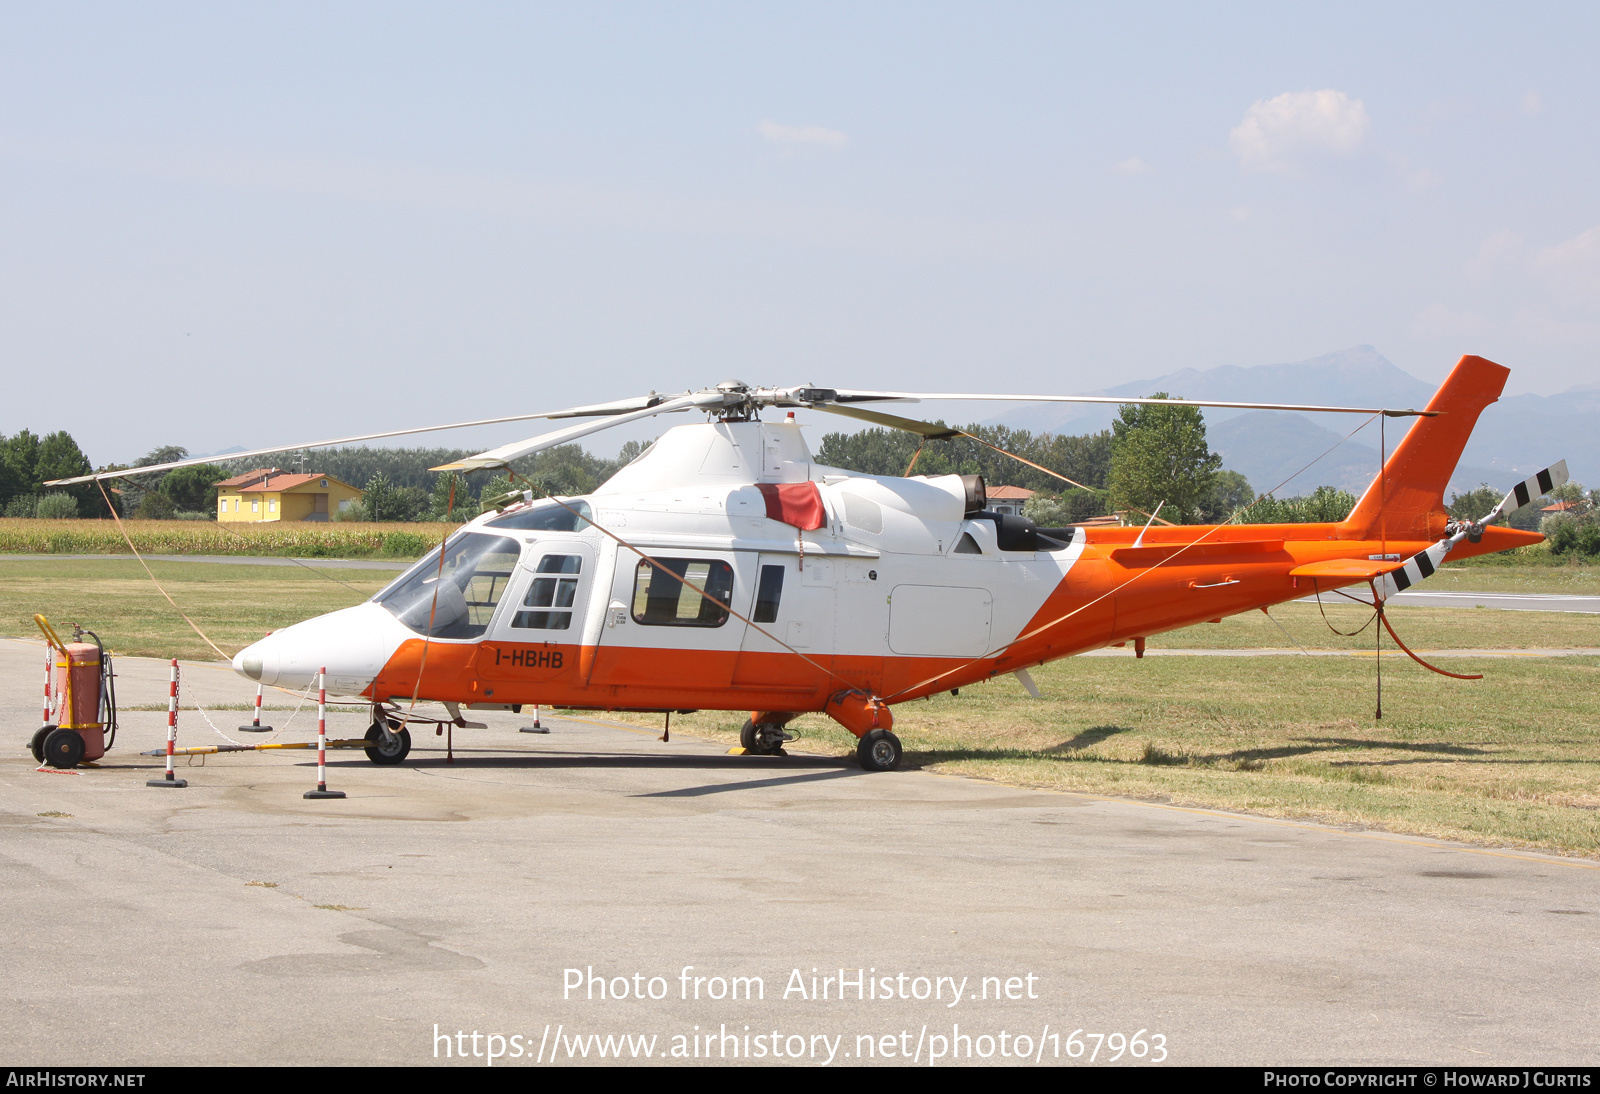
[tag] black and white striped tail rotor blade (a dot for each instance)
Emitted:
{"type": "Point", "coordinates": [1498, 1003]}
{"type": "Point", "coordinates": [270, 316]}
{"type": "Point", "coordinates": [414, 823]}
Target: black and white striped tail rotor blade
{"type": "Point", "coordinates": [1528, 491]}
{"type": "Point", "coordinates": [1419, 567]}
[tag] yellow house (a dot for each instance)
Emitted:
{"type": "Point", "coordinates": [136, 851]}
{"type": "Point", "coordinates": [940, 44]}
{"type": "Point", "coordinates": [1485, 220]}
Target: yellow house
{"type": "Point", "coordinates": [269, 493]}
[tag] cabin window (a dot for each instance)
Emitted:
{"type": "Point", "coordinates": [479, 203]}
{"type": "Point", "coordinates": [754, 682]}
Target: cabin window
{"type": "Point", "coordinates": [768, 593]}
{"type": "Point", "coordinates": [459, 601]}
{"type": "Point", "coordinates": [551, 594]}
{"type": "Point", "coordinates": [667, 594]}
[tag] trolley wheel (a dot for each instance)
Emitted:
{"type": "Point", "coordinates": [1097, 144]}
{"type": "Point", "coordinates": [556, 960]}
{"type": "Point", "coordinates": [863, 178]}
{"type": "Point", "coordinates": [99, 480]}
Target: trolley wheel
{"type": "Point", "coordinates": [63, 748]}
{"type": "Point", "coordinates": [36, 746]}
{"type": "Point", "coordinates": [390, 749]}
{"type": "Point", "coordinates": [879, 751]}
{"type": "Point", "coordinates": [763, 739]}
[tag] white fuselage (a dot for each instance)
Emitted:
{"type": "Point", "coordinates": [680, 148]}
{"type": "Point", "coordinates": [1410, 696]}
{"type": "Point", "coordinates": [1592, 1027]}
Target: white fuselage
{"type": "Point", "coordinates": [896, 570]}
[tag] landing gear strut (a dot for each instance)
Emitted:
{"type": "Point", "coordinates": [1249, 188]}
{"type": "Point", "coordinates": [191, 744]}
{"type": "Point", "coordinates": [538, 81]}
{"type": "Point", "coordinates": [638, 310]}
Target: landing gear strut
{"type": "Point", "coordinates": [879, 750]}
{"type": "Point", "coordinates": [388, 748]}
{"type": "Point", "coordinates": [763, 738]}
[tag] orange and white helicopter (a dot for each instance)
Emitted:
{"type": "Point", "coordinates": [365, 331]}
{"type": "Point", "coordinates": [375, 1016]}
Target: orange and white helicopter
{"type": "Point", "coordinates": [725, 569]}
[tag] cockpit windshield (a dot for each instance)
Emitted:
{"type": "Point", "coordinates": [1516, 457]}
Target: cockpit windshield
{"type": "Point", "coordinates": [460, 598]}
{"type": "Point", "coordinates": [568, 515]}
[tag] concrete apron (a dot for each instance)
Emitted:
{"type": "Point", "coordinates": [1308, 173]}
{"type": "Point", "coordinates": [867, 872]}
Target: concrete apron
{"type": "Point", "coordinates": [236, 922]}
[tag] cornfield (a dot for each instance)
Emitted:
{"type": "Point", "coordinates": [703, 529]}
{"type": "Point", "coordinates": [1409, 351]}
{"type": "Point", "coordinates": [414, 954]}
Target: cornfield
{"type": "Point", "coordinates": [19, 536]}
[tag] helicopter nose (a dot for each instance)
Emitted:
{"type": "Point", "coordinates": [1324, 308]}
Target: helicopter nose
{"type": "Point", "coordinates": [257, 662]}
{"type": "Point", "coordinates": [351, 644]}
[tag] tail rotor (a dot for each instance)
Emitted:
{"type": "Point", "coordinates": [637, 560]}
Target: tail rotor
{"type": "Point", "coordinates": [1421, 566]}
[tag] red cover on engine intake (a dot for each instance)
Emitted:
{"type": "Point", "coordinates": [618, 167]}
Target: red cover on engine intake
{"type": "Point", "coordinates": [796, 503]}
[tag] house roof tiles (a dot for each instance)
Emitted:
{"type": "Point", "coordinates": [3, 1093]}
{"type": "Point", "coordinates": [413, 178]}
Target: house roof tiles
{"type": "Point", "coordinates": [267, 479]}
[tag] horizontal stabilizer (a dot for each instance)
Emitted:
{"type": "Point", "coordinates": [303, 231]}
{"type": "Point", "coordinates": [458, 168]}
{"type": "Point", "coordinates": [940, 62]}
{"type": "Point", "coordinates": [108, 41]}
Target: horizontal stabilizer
{"type": "Point", "coordinates": [1346, 569]}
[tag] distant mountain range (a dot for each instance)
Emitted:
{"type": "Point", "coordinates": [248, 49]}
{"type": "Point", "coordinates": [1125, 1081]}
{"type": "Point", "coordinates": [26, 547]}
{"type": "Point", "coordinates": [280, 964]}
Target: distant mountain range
{"type": "Point", "coordinates": [1514, 437]}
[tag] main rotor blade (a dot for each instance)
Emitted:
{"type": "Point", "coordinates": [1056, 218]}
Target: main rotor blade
{"type": "Point", "coordinates": [933, 432]}
{"type": "Point", "coordinates": [500, 457]}
{"type": "Point", "coordinates": [911, 425]}
{"type": "Point", "coordinates": [601, 408]}
{"type": "Point", "coordinates": [1116, 400]}
{"type": "Point", "coordinates": [620, 406]}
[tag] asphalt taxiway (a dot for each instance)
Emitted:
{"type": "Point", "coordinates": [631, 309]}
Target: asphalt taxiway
{"type": "Point", "coordinates": [236, 922]}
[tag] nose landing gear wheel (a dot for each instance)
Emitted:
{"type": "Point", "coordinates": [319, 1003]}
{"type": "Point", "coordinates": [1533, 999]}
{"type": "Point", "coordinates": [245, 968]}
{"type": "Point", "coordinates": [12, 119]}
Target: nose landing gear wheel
{"type": "Point", "coordinates": [36, 746]}
{"type": "Point", "coordinates": [63, 748]}
{"type": "Point", "coordinates": [879, 751]}
{"type": "Point", "coordinates": [388, 749]}
{"type": "Point", "coordinates": [764, 739]}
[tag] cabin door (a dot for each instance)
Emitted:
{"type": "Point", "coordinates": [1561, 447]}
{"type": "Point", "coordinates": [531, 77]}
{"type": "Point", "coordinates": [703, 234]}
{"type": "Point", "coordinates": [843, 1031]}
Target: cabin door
{"type": "Point", "coordinates": [536, 632]}
{"type": "Point", "coordinates": [793, 605]}
{"type": "Point", "coordinates": [661, 632]}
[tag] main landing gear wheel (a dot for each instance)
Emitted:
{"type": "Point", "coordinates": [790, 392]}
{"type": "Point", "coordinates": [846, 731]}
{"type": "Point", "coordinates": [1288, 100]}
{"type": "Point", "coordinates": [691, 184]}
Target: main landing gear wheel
{"type": "Point", "coordinates": [879, 751]}
{"type": "Point", "coordinates": [36, 746]}
{"type": "Point", "coordinates": [763, 739]}
{"type": "Point", "coordinates": [63, 748]}
{"type": "Point", "coordinates": [388, 748]}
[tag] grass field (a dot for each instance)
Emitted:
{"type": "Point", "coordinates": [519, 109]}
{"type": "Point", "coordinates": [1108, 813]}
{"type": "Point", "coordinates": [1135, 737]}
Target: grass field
{"type": "Point", "coordinates": [235, 605]}
{"type": "Point", "coordinates": [1513, 758]}
{"type": "Point", "coordinates": [1510, 759]}
{"type": "Point", "coordinates": [1578, 577]}
{"type": "Point", "coordinates": [202, 537]}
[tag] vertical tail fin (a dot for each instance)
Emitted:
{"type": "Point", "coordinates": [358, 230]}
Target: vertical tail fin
{"type": "Point", "coordinates": [1406, 501]}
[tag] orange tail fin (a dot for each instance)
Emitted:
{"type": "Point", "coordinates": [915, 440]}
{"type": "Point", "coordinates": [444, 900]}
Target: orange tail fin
{"type": "Point", "coordinates": [1406, 502]}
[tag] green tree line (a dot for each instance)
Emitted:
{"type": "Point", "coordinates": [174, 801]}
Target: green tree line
{"type": "Point", "coordinates": [27, 461]}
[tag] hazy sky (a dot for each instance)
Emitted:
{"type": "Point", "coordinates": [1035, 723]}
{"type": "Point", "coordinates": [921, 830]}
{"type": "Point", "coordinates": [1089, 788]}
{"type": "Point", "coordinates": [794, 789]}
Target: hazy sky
{"type": "Point", "coordinates": [232, 226]}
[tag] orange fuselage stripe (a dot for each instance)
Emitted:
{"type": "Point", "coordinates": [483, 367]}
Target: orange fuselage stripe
{"type": "Point", "coordinates": [1154, 588]}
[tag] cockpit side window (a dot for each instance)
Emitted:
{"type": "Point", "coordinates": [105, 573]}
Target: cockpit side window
{"type": "Point", "coordinates": [551, 594]}
{"type": "Point", "coordinates": [458, 599]}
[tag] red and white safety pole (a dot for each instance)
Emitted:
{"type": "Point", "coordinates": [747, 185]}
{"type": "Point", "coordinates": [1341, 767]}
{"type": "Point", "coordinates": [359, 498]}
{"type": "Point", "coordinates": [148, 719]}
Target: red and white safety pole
{"type": "Point", "coordinates": [49, 676]}
{"type": "Point", "coordinates": [171, 779]}
{"type": "Point", "coordinates": [322, 790]}
{"type": "Point", "coordinates": [255, 725]}
{"type": "Point", "coordinates": [536, 727]}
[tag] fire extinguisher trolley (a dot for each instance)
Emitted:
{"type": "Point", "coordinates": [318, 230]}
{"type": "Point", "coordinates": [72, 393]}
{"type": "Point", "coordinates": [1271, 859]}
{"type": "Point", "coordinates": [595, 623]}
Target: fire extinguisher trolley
{"type": "Point", "coordinates": [81, 679]}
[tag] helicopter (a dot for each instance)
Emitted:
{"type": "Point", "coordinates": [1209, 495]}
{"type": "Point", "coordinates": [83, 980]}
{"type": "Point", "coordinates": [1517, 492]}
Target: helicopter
{"type": "Point", "coordinates": [725, 569]}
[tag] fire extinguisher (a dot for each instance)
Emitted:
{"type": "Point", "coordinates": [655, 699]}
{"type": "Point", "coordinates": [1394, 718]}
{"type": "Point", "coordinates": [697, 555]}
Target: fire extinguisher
{"type": "Point", "coordinates": [85, 725]}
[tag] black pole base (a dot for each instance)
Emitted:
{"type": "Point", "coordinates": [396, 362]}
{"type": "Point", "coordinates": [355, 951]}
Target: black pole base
{"type": "Point", "coordinates": [533, 729]}
{"type": "Point", "coordinates": [253, 728]}
{"type": "Point", "coordinates": [177, 784]}
{"type": "Point", "coordinates": [323, 794]}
